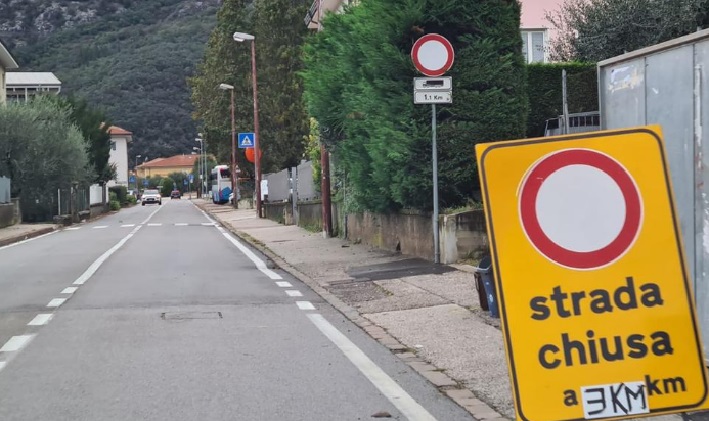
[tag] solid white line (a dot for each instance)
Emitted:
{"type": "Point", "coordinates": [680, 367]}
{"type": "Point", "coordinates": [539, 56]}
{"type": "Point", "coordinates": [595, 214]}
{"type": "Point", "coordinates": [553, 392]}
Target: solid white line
{"type": "Point", "coordinates": [16, 343]}
{"type": "Point", "coordinates": [284, 284]}
{"type": "Point", "coordinates": [41, 320]}
{"type": "Point", "coordinates": [151, 215]}
{"type": "Point", "coordinates": [181, 224]}
{"type": "Point", "coordinates": [389, 388]}
{"type": "Point", "coordinates": [56, 302]}
{"type": "Point", "coordinates": [98, 262]}
{"type": "Point", "coordinates": [305, 305]}
{"type": "Point", "coordinates": [128, 226]}
{"type": "Point", "coordinates": [69, 290]}
{"type": "Point", "coordinates": [98, 227]}
{"type": "Point", "coordinates": [260, 265]}
{"type": "Point", "coordinates": [294, 293]}
{"type": "Point", "coordinates": [27, 240]}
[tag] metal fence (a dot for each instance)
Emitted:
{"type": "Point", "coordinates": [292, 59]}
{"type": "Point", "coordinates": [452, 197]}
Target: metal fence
{"type": "Point", "coordinates": [279, 189]}
{"type": "Point", "coordinates": [5, 188]}
{"type": "Point", "coordinates": [304, 182]}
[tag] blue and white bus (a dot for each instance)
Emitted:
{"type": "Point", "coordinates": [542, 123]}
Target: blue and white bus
{"type": "Point", "coordinates": [220, 179]}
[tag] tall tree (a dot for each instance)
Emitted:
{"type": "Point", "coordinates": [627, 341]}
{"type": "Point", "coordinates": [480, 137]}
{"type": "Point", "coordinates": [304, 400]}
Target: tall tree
{"type": "Point", "coordinates": [358, 78]}
{"type": "Point", "coordinates": [594, 30]}
{"type": "Point", "coordinates": [280, 33]}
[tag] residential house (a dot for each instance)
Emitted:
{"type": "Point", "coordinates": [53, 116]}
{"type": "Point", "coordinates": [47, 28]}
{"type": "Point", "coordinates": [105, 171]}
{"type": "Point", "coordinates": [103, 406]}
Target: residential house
{"type": "Point", "coordinates": [119, 154]}
{"type": "Point", "coordinates": [165, 166]}
{"type": "Point", "coordinates": [535, 29]}
{"type": "Point", "coordinates": [7, 62]}
{"type": "Point", "coordinates": [21, 86]}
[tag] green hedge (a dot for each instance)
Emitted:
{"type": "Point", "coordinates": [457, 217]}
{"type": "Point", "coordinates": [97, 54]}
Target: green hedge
{"type": "Point", "coordinates": [121, 194]}
{"type": "Point", "coordinates": [545, 92]}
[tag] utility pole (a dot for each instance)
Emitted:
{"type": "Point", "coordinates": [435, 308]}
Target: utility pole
{"type": "Point", "coordinates": [324, 168]}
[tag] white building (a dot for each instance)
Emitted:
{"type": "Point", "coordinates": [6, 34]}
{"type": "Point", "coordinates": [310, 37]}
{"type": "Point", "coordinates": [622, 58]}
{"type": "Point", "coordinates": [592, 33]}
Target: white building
{"type": "Point", "coordinates": [22, 86]}
{"type": "Point", "coordinates": [119, 154]}
{"type": "Point", "coordinates": [7, 62]}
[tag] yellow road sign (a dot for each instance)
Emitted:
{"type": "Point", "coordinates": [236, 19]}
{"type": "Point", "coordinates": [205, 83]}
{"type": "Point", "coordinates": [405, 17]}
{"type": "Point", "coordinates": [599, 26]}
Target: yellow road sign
{"type": "Point", "coordinates": [595, 299]}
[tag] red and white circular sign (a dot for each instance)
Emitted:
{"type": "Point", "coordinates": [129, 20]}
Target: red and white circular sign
{"type": "Point", "coordinates": [580, 208]}
{"type": "Point", "coordinates": [432, 55]}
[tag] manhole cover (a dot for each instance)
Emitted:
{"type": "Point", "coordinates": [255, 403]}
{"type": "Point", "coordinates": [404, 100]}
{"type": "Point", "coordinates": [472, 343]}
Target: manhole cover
{"type": "Point", "coordinates": [191, 315]}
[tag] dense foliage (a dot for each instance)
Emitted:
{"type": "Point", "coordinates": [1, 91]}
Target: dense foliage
{"type": "Point", "coordinates": [43, 150]}
{"type": "Point", "coordinates": [279, 31]}
{"type": "Point", "coordinates": [594, 30]}
{"type": "Point", "coordinates": [358, 85]}
{"type": "Point", "coordinates": [545, 92]}
{"type": "Point", "coordinates": [129, 57]}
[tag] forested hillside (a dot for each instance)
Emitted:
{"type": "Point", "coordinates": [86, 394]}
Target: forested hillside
{"type": "Point", "coordinates": [128, 57]}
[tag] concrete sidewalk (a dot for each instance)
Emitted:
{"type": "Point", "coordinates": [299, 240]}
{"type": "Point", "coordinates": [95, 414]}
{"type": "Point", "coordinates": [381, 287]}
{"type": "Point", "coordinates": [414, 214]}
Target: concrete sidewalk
{"type": "Point", "coordinates": [427, 314]}
{"type": "Point", "coordinates": [20, 232]}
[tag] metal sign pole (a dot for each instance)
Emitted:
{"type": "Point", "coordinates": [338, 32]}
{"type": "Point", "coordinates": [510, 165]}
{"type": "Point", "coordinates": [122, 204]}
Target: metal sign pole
{"type": "Point", "coordinates": [436, 245]}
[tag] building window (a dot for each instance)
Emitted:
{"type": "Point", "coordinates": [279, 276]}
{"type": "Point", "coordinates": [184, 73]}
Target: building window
{"type": "Point", "coordinates": [113, 145]}
{"type": "Point", "coordinates": [534, 44]}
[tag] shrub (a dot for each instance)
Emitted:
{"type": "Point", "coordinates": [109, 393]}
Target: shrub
{"type": "Point", "coordinates": [132, 200]}
{"type": "Point", "coordinates": [121, 193]}
{"type": "Point", "coordinates": [114, 205]}
{"type": "Point", "coordinates": [112, 197]}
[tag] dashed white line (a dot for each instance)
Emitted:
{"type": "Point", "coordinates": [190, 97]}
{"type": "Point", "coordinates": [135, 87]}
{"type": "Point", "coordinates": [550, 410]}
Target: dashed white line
{"type": "Point", "coordinates": [2, 365]}
{"type": "Point", "coordinates": [56, 302]}
{"type": "Point", "coordinates": [294, 293]}
{"type": "Point", "coordinates": [181, 224]}
{"type": "Point", "coordinates": [127, 225]}
{"type": "Point", "coordinates": [154, 225]}
{"type": "Point", "coordinates": [16, 343]}
{"type": "Point", "coordinates": [260, 265]}
{"type": "Point", "coordinates": [41, 320]}
{"type": "Point", "coordinates": [98, 227]}
{"type": "Point", "coordinates": [411, 409]}
{"type": "Point", "coordinates": [72, 228]}
{"type": "Point", "coordinates": [284, 284]}
{"type": "Point", "coordinates": [305, 305]}
{"type": "Point", "coordinates": [69, 290]}
{"type": "Point", "coordinates": [208, 224]}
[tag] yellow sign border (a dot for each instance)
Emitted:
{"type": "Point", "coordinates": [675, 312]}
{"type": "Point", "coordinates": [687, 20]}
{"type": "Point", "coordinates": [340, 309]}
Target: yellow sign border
{"type": "Point", "coordinates": [678, 238]}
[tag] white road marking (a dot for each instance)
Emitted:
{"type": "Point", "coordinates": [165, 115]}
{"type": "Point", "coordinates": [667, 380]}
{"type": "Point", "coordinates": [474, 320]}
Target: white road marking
{"type": "Point", "coordinates": [2, 365]}
{"type": "Point", "coordinates": [284, 284]}
{"type": "Point", "coordinates": [260, 265]}
{"type": "Point", "coordinates": [27, 240]}
{"type": "Point", "coordinates": [181, 224]}
{"type": "Point", "coordinates": [69, 290]}
{"type": "Point", "coordinates": [208, 224]}
{"type": "Point", "coordinates": [16, 343]}
{"type": "Point", "coordinates": [294, 293]}
{"type": "Point", "coordinates": [151, 215]}
{"type": "Point", "coordinates": [128, 226]}
{"type": "Point", "coordinates": [305, 305]}
{"type": "Point", "coordinates": [72, 229]}
{"type": "Point", "coordinates": [98, 262]}
{"type": "Point", "coordinates": [98, 227]}
{"type": "Point", "coordinates": [389, 388]}
{"type": "Point", "coordinates": [41, 320]}
{"type": "Point", "coordinates": [154, 225]}
{"type": "Point", "coordinates": [56, 302]}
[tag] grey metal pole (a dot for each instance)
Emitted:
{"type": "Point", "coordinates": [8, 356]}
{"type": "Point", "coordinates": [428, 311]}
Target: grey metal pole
{"type": "Point", "coordinates": [565, 101]}
{"type": "Point", "coordinates": [436, 245]}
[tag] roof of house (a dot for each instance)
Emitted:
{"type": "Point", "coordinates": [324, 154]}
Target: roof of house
{"type": "Point", "coordinates": [31, 79]}
{"type": "Point", "coordinates": [118, 131]}
{"type": "Point", "coordinates": [173, 161]}
{"type": "Point", "coordinates": [6, 59]}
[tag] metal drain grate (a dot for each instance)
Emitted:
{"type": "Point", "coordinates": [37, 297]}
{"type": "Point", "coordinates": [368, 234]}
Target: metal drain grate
{"type": "Point", "coordinates": [191, 315]}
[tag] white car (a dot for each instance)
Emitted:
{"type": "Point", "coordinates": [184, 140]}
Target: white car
{"type": "Point", "coordinates": [151, 196]}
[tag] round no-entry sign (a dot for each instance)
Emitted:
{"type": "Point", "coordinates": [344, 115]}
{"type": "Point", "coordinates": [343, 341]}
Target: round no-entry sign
{"type": "Point", "coordinates": [432, 55]}
{"type": "Point", "coordinates": [580, 208]}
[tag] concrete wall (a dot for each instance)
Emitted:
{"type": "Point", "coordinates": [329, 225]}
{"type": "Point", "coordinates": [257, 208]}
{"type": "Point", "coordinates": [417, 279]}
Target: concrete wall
{"type": "Point", "coordinates": [9, 213]}
{"type": "Point", "coordinates": [463, 235]}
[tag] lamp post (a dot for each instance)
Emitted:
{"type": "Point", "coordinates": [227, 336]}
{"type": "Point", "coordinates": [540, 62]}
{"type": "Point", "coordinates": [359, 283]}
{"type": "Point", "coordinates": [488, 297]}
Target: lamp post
{"type": "Point", "coordinates": [241, 37]}
{"type": "Point", "coordinates": [201, 164]}
{"type": "Point", "coordinates": [199, 168]}
{"type": "Point", "coordinates": [135, 168]}
{"type": "Point", "coordinates": [225, 87]}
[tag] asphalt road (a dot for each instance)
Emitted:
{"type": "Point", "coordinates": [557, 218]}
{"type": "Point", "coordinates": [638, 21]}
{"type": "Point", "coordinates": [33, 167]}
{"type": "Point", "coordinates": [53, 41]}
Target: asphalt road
{"type": "Point", "coordinates": [157, 313]}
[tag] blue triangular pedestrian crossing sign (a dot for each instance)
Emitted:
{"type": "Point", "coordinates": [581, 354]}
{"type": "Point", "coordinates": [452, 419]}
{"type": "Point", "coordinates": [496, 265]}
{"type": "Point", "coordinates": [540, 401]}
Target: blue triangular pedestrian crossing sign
{"type": "Point", "coordinates": [246, 140]}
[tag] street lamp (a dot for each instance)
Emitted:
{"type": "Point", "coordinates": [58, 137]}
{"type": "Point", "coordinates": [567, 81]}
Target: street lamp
{"type": "Point", "coordinates": [225, 87]}
{"type": "Point", "coordinates": [241, 37]}
{"type": "Point", "coordinates": [135, 168]}
{"type": "Point", "coordinates": [203, 158]}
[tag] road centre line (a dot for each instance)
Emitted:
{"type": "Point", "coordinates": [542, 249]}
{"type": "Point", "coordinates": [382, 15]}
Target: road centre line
{"type": "Point", "coordinates": [16, 343]}
{"type": "Point", "coordinates": [41, 319]}
{"type": "Point", "coordinates": [69, 290]}
{"type": "Point", "coordinates": [305, 305]}
{"type": "Point", "coordinates": [56, 302]}
{"type": "Point", "coordinates": [284, 284]}
{"type": "Point", "coordinates": [27, 240]}
{"type": "Point", "coordinates": [411, 409]}
{"type": "Point", "coordinates": [294, 293]}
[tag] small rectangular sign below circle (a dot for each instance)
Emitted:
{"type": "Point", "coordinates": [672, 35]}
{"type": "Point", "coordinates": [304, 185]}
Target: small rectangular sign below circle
{"type": "Point", "coordinates": [431, 97]}
{"type": "Point", "coordinates": [444, 83]}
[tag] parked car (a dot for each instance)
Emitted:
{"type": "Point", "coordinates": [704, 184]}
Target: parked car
{"type": "Point", "coordinates": [176, 194]}
{"type": "Point", "coordinates": [151, 196]}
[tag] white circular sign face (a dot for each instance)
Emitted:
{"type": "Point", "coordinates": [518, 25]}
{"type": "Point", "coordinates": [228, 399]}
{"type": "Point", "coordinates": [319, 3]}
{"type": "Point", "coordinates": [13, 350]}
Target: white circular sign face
{"type": "Point", "coordinates": [581, 208]}
{"type": "Point", "coordinates": [433, 55]}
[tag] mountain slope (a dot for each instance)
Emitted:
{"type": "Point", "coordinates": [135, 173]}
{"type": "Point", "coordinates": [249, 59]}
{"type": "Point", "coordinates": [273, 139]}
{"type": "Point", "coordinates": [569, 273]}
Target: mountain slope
{"type": "Point", "coordinates": [129, 57]}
